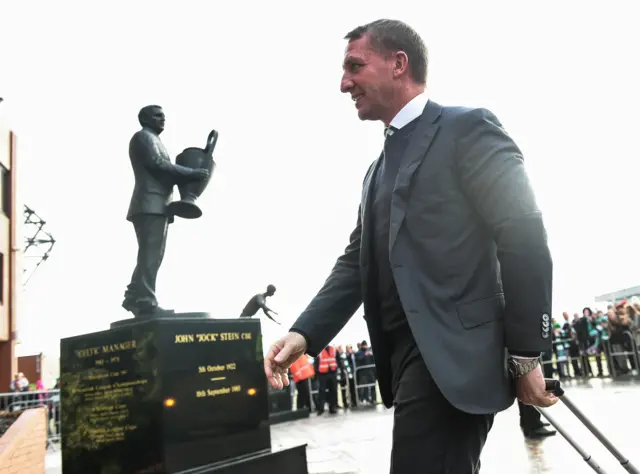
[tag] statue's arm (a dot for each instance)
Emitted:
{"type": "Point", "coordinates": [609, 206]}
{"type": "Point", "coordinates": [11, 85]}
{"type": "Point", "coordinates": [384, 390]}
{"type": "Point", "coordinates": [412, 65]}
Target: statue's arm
{"type": "Point", "coordinates": [266, 312]}
{"type": "Point", "coordinates": [146, 150]}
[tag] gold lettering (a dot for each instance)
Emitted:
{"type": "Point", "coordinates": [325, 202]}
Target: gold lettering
{"type": "Point", "coordinates": [208, 337]}
{"type": "Point", "coordinates": [246, 336]}
{"type": "Point", "coordinates": [203, 369]}
{"type": "Point", "coordinates": [120, 346]}
{"type": "Point", "coordinates": [218, 391]}
{"type": "Point", "coordinates": [105, 349]}
{"type": "Point", "coordinates": [89, 352]}
{"type": "Point", "coordinates": [230, 336]}
{"type": "Point", "coordinates": [183, 338]}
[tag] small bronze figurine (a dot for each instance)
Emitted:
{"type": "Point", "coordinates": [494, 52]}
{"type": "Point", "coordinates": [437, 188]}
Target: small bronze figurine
{"type": "Point", "coordinates": [155, 176]}
{"type": "Point", "coordinates": [259, 301]}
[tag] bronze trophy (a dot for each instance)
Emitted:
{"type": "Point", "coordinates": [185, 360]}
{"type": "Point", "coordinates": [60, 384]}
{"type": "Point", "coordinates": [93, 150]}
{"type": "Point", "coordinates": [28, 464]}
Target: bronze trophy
{"type": "Point", "coordinates": [195, 158]}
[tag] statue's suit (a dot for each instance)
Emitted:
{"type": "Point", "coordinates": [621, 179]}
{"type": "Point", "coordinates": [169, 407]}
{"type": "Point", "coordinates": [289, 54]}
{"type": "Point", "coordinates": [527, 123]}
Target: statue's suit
{"type": "Point", "coordinates": [155, 176]}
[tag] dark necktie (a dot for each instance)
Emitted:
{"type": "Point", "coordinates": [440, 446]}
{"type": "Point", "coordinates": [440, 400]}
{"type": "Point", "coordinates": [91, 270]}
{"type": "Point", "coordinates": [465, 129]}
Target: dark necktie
{"type": "Point", "coordinates": [390, 130]}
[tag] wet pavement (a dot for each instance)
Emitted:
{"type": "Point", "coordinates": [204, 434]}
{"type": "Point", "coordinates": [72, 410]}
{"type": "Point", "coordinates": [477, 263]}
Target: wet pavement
{"type": "Point", "coordinates": [360, 441]}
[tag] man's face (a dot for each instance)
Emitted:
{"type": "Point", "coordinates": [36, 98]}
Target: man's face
{"type": "Point", "coordinates": [155, 119]}
{"type": "Point", "coordinates": [368, 78]}
{"type": "Point", "coordinates": [565, 316]}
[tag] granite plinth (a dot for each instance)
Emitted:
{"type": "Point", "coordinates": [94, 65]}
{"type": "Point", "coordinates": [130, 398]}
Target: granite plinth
{"type": "Point", "coordinates": [287, 461]}
{"type": "Point", "coordinates": [164, 395]}
{"type": "Point", "coordinates": [281, 406]}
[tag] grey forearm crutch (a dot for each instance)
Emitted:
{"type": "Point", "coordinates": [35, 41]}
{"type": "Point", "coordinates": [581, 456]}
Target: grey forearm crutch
{"type": "Point", "coordinates": [554, 387]}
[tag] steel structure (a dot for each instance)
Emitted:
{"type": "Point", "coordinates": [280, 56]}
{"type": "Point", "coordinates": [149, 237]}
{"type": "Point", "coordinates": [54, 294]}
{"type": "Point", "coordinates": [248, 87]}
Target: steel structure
{"type": "Point", "coordinates": [38, 242]}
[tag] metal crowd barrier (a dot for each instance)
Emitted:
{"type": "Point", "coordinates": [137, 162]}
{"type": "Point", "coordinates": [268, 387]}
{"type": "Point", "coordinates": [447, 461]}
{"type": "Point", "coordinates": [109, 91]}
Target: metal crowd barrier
{"type": "Point", "coordinates": [606, 356]}
{"type": "Point", "coordinates": [50, 399]}
{"type": "Point", "coordinates": [373, 385]}
{"type": "Point", "coordinates": [625, 355]}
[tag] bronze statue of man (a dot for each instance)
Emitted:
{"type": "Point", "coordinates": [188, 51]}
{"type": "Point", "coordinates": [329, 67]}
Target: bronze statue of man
{"type": "Point", "coordinates": [259, 301]}
{"type": "Point", "coordinates": [155, 176]}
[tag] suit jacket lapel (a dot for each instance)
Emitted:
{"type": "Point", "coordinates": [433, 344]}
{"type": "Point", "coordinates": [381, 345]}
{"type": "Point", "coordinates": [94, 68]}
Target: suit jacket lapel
{"type": "Point", "coordinates": [419, 144]}
{"type": "Point", "coordinates": [365, 212]}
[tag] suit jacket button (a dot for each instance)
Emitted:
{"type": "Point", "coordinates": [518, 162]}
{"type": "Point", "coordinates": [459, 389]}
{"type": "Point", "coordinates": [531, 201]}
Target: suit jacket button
{"type": "Point", "coordinates": [544, 334]}
{"type": "Point", "coordinates": [545, 324]}
{"type": "Point", "coordinates": [545, 317]}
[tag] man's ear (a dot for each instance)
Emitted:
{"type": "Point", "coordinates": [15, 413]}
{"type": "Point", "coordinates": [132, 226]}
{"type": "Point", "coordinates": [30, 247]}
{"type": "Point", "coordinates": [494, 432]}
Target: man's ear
{"type": "Point", "coordinates": [400, 64]}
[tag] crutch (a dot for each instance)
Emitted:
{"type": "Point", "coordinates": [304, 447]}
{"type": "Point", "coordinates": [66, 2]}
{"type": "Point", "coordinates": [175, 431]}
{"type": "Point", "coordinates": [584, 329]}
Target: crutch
{"type": "Point", "coordinates": [554, 387]}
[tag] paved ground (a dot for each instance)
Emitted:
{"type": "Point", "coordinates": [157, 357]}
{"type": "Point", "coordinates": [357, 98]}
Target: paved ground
{"type": "Point", "coordinates": [359, 442]}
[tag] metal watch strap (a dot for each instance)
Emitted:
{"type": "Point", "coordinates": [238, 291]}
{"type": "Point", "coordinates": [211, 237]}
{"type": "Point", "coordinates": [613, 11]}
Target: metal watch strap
{"type": "Point", "coordinates": [519, 368]}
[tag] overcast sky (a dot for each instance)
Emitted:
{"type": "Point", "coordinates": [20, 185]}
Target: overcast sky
{"type": "Point", "coordinates": [562, 77]}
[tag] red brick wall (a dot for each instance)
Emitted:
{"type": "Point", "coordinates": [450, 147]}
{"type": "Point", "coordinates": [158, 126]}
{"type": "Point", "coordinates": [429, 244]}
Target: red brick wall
{"type": "Point", "coordinates": [23, 446]}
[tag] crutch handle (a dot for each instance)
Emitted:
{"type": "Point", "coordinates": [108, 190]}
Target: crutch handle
{"type": "Point", "coordinates": [553, 386]}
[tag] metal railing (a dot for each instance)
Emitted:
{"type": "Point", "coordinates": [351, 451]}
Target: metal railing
{"type": "Point", "coordinates": [604, 356]}
{"type": "Point", "coordinates": [50, 399]}
{"type": "Point", "coordinates": [358, 387]}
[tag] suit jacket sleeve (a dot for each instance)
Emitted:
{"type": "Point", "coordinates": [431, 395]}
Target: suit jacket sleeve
{"type": "Point", "coordinates": [492, 174]}
{"type": "Point", "coordinates": [337, 300]}
{"type": "Point", "coordinates": [146, 151]}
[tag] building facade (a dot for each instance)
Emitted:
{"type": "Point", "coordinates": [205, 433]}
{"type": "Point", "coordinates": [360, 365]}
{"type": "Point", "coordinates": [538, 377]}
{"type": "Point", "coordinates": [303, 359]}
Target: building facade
{"type": "Point", "coordinates": [616, 296]}
{"type": "Point", "coordinates": [10, 254]}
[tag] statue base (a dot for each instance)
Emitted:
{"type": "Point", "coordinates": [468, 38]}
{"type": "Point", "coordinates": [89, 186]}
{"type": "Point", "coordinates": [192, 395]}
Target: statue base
{"type": "Point", "coordinates": [169, 394]}
{"type": "Point", "coordinates": [287, 461]}
{"type": "Point", "coordinates": [281, 406]}
{"type": "Point", "coordinates": [166, 315]}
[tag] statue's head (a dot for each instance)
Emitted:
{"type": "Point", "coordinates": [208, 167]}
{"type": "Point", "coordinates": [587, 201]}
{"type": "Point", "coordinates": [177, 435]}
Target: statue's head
{"type": "Point", "coordinates": [152, 116]}
{"type": "Point", "coordinates": [271, 290]}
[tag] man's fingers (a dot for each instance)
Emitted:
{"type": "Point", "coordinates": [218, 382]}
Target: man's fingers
{"type": "Point", "coordinates": [283, 354]}
{"type": "Point", "coordinates": [543, 401]}
{"type": "Point", "coordinates": [269, 362]}
{"type": "Point", "coordinates": [275, 382]}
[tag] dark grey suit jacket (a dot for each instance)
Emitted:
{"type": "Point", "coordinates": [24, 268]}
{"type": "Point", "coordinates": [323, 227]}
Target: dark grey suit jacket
{"type": "Point", "coordinates": [469, 256]}
{"type": "Point", "coordinates": [154, 173]}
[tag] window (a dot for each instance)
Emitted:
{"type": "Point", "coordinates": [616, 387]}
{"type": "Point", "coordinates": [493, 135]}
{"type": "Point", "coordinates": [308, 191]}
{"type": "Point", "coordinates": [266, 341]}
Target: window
{"type": "Point", "coordinates": [5, 184]}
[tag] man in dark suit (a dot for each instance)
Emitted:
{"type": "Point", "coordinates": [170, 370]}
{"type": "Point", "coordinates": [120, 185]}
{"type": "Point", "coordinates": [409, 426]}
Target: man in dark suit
{"type": "Point", "coordinates": [155, 176]}
{"type": "Point", "coordinates": [449, 256]}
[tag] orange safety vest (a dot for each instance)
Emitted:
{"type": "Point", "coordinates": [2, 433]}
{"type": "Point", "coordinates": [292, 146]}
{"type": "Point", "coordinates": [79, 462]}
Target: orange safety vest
{"type": "Point", "coordinates": [327, 360]}
{"type": "Point", "coordinates": [302, 369]}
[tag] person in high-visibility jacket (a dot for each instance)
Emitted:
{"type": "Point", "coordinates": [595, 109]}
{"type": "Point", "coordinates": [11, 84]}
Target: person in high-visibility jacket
{"type": "Point", "coordinates": [326, 367]}
{"type": "Point", "coordinates": [302, 371]}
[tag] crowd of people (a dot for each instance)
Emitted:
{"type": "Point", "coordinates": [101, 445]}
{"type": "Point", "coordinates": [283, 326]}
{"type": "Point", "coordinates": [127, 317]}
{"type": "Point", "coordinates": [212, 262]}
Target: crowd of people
{"type": "Point", "coordinates": [607, 339]}
{"type": "Point", "coordinates": [345, 378]}
{"type": "Point", "coordinates": [339, 377]}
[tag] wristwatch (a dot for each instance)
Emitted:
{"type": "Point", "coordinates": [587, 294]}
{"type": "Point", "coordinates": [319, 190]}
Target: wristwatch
{"type": "Point", "coordinates": [520, 367]}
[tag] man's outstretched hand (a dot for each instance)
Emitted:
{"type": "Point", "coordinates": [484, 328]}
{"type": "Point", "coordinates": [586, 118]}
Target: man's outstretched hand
{"type": "Point", "coordinates": [531, 390]}
{"type": "Point", "coordinates": [281, 355]}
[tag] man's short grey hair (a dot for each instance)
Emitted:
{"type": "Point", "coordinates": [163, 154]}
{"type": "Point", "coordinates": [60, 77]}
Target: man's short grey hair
{"type": "Point", "coordinates": [388, 36]}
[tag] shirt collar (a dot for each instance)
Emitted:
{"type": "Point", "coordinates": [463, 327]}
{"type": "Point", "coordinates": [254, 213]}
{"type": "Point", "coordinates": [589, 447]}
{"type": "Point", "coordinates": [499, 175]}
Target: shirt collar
{"type": "Point", "coordinates": [412, 110]}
